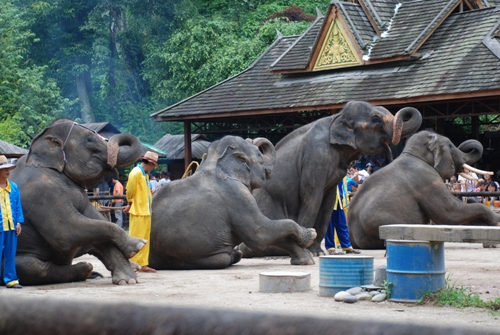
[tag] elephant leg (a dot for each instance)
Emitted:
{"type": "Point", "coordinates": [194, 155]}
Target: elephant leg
{"type": "Point", "coordinates": [32, 271]}
{"type": "Point", "coordinates": [218, 261]}
{"type": "Point", "coordinates": [119, 266]}
{"type": "Point", "coordinates": [321, 224]}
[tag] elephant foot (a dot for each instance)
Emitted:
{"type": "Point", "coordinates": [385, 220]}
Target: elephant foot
{"type": "Point", "coordinates": [308, 237]}
{"type": "Point", "coordinates": [315, 249]}
{"type": "Point", "coordinates": [83, 270]}
{"type": "Point", "coordinates": [122, 278]}
{"type": "Point", "coordinates": [236, 256]}
{"type": "Point", "coordinates": [304, 259]}
{"type": "Point", "coordinates": [134, 245]}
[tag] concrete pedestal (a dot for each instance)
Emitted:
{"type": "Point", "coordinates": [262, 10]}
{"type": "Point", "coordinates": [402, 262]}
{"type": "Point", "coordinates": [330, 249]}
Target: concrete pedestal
{"type": "Point", "coordinates": [284, 281]}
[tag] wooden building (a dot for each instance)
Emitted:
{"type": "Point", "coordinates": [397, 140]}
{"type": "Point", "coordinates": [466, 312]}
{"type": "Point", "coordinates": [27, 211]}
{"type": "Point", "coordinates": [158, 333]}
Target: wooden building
{"type": "Point", "coordinates": [441, 57]}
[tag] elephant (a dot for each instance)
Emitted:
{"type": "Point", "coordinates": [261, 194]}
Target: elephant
{"type": "Point", "coordinates": [39, 316]}
{"type": "Point", "coordinates": [60, 221]}
{"type": "Point", "coordinates": [411, 190]}
{"type": "Point", "coordinates": [313, 159]}
{"type": "Point", "coordinates": [198, 221]}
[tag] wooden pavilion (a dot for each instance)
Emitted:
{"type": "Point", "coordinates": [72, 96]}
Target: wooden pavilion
{"type": "Point", "coordinates": [441, 57]}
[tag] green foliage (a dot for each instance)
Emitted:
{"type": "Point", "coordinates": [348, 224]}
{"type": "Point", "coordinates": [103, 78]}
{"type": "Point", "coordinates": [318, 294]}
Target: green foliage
{"type": "Point", "coordinates": [29, 100]}
{"type": "Point", "coordinates": [459, 297]}
{"type": "Point", "coordinates": [387, 286]}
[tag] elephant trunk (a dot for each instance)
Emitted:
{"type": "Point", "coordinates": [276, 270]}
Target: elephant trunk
{"type": "Point", "coordinates": [268, 153]}
{"type": "Point", "coordinates": [123, 150]}
{"type": "Point", "coordinates": [406, 121]}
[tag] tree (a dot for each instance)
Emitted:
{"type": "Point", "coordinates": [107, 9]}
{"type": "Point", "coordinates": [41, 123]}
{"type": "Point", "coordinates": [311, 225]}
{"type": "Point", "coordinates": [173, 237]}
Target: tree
{"type": "Point", "coordinates": [29, 100]}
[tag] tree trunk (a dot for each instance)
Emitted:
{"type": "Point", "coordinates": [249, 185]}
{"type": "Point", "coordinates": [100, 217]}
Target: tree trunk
{"type": "Point", "coordinates": [81, 87]}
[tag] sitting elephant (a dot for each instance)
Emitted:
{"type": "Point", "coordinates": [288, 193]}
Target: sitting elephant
{"type": "Point", "coordinates": [60, 221]}
{"type": "Point", "coordinates": [198, 221]}
{"type": "Point", "coordinates": [312, 160]}
{"type": "Point", "coordinates": [411, 190]}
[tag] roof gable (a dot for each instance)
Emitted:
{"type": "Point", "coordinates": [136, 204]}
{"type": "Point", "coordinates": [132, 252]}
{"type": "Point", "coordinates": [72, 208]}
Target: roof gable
{"type": "Point", "coordinates": [367, 32]}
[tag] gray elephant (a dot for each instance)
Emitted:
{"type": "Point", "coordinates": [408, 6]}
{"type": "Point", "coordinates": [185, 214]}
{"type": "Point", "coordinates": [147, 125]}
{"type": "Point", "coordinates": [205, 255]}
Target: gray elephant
{"type": "Point", "coordinates": [313, 159]}
{"type": "Point", "coordinates": [21, 315]}
{"type": "Point", "coordinates": [60, 222]}
{"type": "Point", "coordinates": [411, 190]}
{"type": "Point", "coordinates": [198, 221]}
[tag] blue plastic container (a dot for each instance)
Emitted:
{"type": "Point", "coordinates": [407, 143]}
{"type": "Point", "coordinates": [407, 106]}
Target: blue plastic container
{"type": "Point", "coordinates": [414, 268]}
{"type": "Point", "coordinates": [342, 272]}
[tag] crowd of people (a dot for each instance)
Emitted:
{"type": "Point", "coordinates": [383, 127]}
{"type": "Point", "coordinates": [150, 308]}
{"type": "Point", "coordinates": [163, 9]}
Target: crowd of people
{"type": "Point", "coordinates": [478, 183]}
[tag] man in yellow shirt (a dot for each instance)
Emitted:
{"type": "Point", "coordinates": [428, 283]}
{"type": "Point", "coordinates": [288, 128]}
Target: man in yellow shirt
{"type": "Point", "coordinates": [139, 199]}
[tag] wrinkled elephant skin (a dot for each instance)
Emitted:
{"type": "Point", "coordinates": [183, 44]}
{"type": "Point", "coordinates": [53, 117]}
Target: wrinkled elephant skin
{"type": "Point", "coordinates": [60, 222]}
{"type": "Point", "coordinates": [313, 159]}
{"type": "Point", "coordinates": [198, 221]}
{"type": "Point", "coordinates": [411, 190]}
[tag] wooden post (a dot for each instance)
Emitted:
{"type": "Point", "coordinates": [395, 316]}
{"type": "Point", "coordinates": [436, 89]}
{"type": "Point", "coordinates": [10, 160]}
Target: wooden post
{"type": "Point", "coordinates": [187, 144]}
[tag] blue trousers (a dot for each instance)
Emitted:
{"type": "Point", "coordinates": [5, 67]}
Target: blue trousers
{"type": "Point", "coordinates": [338, 223]}
{"type": "Point", "coordinates": [8, 252]}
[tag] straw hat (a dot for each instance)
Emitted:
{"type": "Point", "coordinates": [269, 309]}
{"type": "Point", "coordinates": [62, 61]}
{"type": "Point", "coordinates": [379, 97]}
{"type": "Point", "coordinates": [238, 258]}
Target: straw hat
{"type": "Point", "coordinates": [4, 163]}
{"type": "Point", "coordinates": [151, 157]}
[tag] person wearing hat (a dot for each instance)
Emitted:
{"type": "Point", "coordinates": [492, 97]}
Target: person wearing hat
{"type": "Point", "coordinates": [139, 200]}
{"type": "Point", "coordinates": [11, 219]}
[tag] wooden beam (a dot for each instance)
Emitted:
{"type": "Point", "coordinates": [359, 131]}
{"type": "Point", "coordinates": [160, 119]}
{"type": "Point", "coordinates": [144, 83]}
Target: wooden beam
{"type": "Point", "coordinates": [441, 233]}
{"type": "Point", "coordinates": [188, 153]}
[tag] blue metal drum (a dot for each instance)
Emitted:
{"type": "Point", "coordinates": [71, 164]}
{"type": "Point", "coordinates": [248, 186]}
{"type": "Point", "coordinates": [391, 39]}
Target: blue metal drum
{"type": "Point", "coordinates": [414, 268]}
{"type": "Point", "coordinates": [342, 272]}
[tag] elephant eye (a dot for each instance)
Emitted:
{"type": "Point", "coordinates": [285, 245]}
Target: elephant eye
{"type": "Point", "coordinates": [91, 139]}
{"type": "Point", "coordinates": [376, 119]}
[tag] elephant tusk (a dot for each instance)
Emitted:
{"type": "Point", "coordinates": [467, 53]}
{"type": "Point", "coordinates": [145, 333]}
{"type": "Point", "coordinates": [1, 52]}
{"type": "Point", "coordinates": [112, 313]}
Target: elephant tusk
{"type": "Point", "coordinates": [466, 176]}
{"type": "Point", "coordinates": [470, 168]}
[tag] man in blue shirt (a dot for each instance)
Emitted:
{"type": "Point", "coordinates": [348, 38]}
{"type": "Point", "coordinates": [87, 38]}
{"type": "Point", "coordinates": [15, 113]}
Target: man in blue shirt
{"type": "Point", "coordinates": [10, 220]}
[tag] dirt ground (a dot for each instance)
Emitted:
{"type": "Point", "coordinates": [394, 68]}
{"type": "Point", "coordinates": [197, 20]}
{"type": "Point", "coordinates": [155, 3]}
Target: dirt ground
{"type": "Point", "coordinates": [237, 287]}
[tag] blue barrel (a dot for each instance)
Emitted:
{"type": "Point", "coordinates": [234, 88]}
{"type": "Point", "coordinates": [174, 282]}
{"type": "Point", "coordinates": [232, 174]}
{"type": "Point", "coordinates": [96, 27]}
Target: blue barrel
{"type": "Point", "coordinates": [414, 268]}
{"type": "Point", "coordinates": [342, 272]}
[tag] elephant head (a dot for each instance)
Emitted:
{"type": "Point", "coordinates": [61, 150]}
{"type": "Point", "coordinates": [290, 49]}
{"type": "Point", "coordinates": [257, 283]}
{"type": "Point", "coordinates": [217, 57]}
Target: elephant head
{"type": "Point", "coordinates": [439, 152]}
{"type": "Point", "coordinates": [80, 153]}
{"type": "Point", "coordinates": [248, 161]}
{"type": "Point", "coordinates": [368, 129]}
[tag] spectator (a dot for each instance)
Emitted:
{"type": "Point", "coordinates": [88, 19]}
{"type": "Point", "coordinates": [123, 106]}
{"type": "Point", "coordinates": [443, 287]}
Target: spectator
{"type": "Point", "coordinates": [468, 185]}
{"type": "Point", "coordinates": [11, 219]}
{"type": "Point", "coordinates": [369, 168]}
{"type": "Point", "coordinates": [165, 178]}
{"type": "Point", "coordinates": [490, 187]}
{"type": "Point", "coordinates": [139, 200]}
{"type": "Point", "coordinates": [357, 175]}
{"type": "Point", "coordinates": [153, 182]}
{"type": "Point", "coordinates": [118, 190]}
{"type": "Point", "coordinates": [489, 178]}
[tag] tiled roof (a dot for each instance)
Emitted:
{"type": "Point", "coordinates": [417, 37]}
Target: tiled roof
{"type": "Point", "coordinates": [454, 60]}
{"type": "Point", "coordinates": [8, 149]}
{"type": "Point", "coordinates": [381, 11]}
{"type": "Point", "coordinates": [105, 129]}
{"type": "Point", "coordinates": [173, 145]}
{"type": "Point", "coordinates": [299, 53]}
{"type": "Point", "coordinates": [358, 23]}
{"type": "Point", "coordinates": [412, 24]}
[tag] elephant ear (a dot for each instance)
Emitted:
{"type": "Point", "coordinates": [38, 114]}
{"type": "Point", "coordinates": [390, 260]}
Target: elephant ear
{"type": "Point", "coordinates": [46, 151]}
{"type": "Point", "coordinates": [442, 158]}
{"type": "Point", "coordinates": [341, 132]}
{"type": "Point", "coordinates": [232, 164]}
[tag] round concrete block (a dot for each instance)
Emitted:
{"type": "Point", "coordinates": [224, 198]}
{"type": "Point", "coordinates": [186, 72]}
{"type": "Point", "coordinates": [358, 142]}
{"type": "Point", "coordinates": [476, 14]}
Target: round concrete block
{"type": "Point", "coordinates": [284, 281]}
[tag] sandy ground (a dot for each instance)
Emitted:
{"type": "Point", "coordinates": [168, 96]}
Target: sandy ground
{"type": "Point", "coordinates": [237, 287]}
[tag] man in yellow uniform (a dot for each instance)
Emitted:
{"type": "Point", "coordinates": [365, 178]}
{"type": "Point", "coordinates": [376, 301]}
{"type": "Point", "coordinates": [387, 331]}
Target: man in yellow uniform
{"type": "Point", "coordinates": [139, 199]}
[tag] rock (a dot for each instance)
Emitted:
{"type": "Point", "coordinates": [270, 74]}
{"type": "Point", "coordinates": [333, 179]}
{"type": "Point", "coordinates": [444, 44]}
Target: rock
{"type": "Point", "coordinates": [380, 275]}
{"type": "Point", "coordinates": [379, 297]}
{"type": "Point", "coordinates": [354, 290]}
{"type": "Point", "coordinates": [363, 296]}
{"type": "Point", "coordinates": [350, 299]}
{"type": "Point", "coordinates": [340, 295]}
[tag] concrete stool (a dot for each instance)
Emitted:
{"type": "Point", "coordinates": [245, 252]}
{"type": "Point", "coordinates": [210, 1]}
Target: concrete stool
{"type": "Point", "coordinates": [284, 281]}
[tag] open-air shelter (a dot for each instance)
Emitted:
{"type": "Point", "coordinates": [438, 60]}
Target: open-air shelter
{"type": "Point", "coordinates": [441, 57]}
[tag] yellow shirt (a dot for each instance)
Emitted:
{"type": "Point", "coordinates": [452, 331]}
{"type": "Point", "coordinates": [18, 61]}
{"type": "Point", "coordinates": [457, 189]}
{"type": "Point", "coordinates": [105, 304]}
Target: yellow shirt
{"type": "Point", "coordinates": [138, 192]}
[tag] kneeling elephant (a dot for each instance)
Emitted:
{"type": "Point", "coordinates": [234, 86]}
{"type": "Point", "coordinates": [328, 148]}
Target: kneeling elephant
{"type": "Point", "coordinates": [198, 221]}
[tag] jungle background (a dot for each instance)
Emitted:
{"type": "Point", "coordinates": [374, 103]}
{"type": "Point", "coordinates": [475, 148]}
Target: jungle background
{"type": "Point", "coordinates": [119, 61]}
